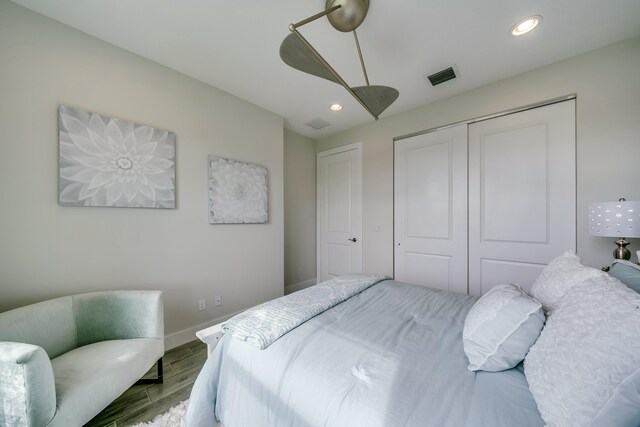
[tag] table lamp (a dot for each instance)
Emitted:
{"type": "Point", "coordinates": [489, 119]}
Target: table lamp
{"type": "Point", "coordinates": [619, 219]}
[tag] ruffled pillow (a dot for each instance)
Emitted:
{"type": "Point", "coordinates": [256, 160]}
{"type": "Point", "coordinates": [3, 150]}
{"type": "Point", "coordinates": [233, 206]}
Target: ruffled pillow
{"type": "Point", "coordinates": [500, 328]}
{"type": "Point", "coordinates": [560, 275]}
{"type": "Point", "coordinates": [584, 370]}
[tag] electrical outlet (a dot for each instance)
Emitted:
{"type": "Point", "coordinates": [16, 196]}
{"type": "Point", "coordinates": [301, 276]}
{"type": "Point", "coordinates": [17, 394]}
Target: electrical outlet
{"type": "Point", "coordinates": [202, 305]}
{"type": "Point", "coordinates": [218, 300]}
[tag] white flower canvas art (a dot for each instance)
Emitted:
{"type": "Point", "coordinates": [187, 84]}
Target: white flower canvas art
{"type": "Point", "coordinates": [111, 162]}
{"type": "Point", "coordinates": [237, 192]}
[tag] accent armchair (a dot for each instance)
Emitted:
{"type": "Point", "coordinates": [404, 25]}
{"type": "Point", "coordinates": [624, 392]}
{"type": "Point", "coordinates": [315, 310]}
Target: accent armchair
{"type": "Point", "coordinates": [64, 360]}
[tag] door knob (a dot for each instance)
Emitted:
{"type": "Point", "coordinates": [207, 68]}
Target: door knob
{"type": "Point", "coordinates": [353, 239]}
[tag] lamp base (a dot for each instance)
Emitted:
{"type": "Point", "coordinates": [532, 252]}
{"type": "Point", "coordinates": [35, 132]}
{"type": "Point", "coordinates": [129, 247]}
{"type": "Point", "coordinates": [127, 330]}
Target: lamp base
{"type": "Point", "coordinates": [621, 252]}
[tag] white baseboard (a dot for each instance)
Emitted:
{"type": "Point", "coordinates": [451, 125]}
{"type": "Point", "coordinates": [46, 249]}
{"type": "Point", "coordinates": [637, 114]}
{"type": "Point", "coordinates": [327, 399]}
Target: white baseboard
{"type": "Point", "coordinates": [182, 337]}
{"type": "Point", "coordinates": [299, 286]}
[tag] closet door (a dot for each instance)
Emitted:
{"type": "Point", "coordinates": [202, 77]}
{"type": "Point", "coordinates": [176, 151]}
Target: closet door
{"type": "Point", "coordinates": [522, 194]}
{"type": "Point", "coordinates": [430, 209]}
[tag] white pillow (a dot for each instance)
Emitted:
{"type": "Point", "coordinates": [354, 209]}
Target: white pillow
{"type": "Point", "coordinates": [585, 367]}
{"type": "Point", "coordinates": [560, 275]}
{"type": "Point", "coordinates": [500, 328]}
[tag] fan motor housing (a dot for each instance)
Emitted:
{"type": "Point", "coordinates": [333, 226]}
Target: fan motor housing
{"type": "Point", "coordinates": [349, 16]}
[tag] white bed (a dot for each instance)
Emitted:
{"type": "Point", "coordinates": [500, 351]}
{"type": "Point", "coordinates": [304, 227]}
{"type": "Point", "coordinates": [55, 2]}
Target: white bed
{"type": "Point", "coordinates": [393, 355]}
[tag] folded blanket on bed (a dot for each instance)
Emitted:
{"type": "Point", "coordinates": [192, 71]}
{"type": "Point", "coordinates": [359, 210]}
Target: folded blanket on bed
{"type": "Point", "coordinates": [260, 326]}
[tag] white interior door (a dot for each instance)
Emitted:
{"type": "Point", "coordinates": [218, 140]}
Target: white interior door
{"type": "Point", "coordinates": [522, 194]}
{"type": "Point", "coordinates": [339, 219]}
{"type": "Point", "coordinates": [430, 209]}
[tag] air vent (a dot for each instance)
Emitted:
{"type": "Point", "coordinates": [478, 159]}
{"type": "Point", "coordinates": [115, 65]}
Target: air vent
{"type": "Point", "coordinates": [442, 76]}
{"type": "Point", "coordinates": [318, 124]}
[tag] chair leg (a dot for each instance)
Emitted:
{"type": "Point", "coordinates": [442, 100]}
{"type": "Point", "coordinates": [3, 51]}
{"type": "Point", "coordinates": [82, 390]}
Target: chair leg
{"type": "Point", "coordinates": [157, 380]}
{"type": "Point", "coordinates": [160, 373]}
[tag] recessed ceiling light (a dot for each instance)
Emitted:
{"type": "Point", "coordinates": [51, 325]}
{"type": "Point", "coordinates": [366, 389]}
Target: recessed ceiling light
{"type": "Point", "coordinates": [336, 107]}
{"type": "Point", "coordinates": [525, 25]}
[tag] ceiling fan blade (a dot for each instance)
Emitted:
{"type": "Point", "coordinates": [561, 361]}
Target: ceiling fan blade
{"type": "Point", "coordinates": [296, 54]}
{"type": "Point", "coordinates": [377, 98]}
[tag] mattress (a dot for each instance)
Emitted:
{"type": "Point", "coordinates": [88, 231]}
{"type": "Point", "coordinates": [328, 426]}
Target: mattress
{"type": "Point", "coordinates": [389, 356]}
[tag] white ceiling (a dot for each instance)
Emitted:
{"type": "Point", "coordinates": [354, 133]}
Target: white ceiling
{"type": "Point", "coordinates": [233, 45]}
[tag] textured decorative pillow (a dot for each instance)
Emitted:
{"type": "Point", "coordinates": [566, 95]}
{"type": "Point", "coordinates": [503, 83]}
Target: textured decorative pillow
{"type": "Point", "coordinates": [560, 275]}
{"type": "Point", "coordinates": [500, 328]}
{"type": "Point", "coordinates": [627, 272]}
{"type": "Point", "coordinates": [585, 367]}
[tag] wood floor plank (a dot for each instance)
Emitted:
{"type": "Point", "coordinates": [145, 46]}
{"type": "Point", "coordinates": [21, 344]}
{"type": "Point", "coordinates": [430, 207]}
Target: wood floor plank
{"type": "Point", "coordinates": [196, 345]}
{"type": "Point", "coordinates": [190, 362]}
{"type": "Point", "coordinates": [173, 384]}
{"type": "Point", "coordinates": [177, 353]}
{"type": "Point", "coordinates": [131, 391]}
{"type": "Point", "coordinates": [122, 406]}
{"type": "Point", "coordinates": [166, 368]}
{"type": "Point", "coordinates": [149, 412]}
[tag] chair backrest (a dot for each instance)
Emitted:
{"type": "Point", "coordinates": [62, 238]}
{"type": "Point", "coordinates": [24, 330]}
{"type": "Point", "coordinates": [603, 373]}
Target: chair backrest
{"type": "Point", "coordinates": [627, 272]}
{"type": "Point", "coordinates": [62, 324]}
{"type": "Point", "coordinates": [48, 324]}
{"type": "Point", "coordinates": [111, 315]}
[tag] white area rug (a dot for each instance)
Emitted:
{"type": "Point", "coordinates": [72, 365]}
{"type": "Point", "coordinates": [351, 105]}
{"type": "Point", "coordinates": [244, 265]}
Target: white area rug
{"type": "Point", "coordinates": [174, 417]}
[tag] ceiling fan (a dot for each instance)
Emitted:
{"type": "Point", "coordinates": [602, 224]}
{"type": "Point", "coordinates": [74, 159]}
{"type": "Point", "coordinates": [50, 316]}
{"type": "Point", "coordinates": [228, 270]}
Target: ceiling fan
{"type": "Point", "coordinates": [345, 16]}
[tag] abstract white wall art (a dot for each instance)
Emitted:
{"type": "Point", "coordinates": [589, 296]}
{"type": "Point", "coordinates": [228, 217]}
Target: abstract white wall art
{"type": "Point", "coordinates": [106, 161]}
{"type": "Point", "coordinates": [237, 192]}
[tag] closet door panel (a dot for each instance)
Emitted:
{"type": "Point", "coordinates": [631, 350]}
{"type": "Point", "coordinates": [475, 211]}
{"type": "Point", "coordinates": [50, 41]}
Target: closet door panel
{"type": "Point", "coordinates": [428, 270]}
{"type": "Point", "coordinates": [499, 271]}
{"type": "Point", "coordinates": [430, 209]}
{"type": "Point", "coordinates": [522, 194]}
{"type": "Point", "coordinates": [429, 191]}
{"type": "Point", "coordinates": [514, 182]}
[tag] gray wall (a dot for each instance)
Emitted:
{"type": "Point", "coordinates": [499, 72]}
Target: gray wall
{"type": "Point", "coordinates": [607, 85]}
{"type": "Point", "coordinates": [48, 250]}
{"type": "Point", "coordinates": [299, 211]}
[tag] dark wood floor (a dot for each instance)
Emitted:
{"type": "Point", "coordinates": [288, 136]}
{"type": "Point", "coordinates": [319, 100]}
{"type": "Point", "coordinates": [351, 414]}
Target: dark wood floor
{"type": "Point", "coordinates": [141, 403]}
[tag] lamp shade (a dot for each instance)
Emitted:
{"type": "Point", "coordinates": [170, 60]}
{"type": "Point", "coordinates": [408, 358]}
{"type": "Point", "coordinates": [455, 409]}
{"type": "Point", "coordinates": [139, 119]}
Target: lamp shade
{"type": "Point", "coordinates": [615, 219]}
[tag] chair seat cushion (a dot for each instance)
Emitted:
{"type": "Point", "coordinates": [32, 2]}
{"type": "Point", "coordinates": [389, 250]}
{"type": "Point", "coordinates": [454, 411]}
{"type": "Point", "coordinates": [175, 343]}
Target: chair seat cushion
{"type": "Point", "coordinates": [89, 378]}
